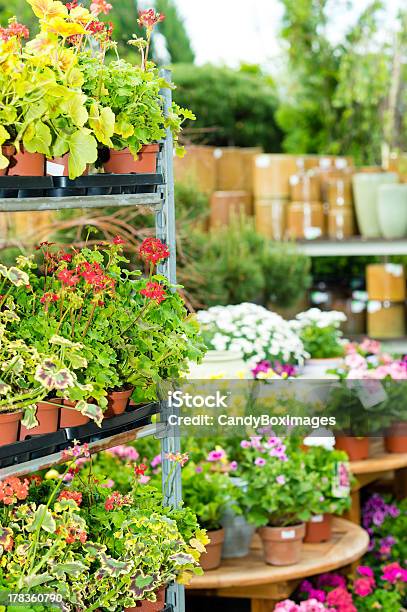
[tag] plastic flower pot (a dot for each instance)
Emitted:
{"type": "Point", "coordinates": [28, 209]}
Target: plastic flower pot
{"type": "Point", "coordinates": [395, 440]}
{"type": "Point", "coordinates": [71, 417]}
{"type": "Point", "coordinates": [318, 529]}
{"type": "Point", "coordinates": [27, 164]}
{"type": "Point", "coordinates": [117, 402]}
{"type": "Point", "coordinates": [225, 364]}
{"type": "Point", "coordinates": [282, 545]}
{"type": "Point", "coordinates": [317, 368]}
{"type": "Point", "coordinates": [123, 162]}
{"type": "Point", "coordinates": [9, 423]}
{"type": "Point", "coordinates": [357, 449]}
{"type": "Point", "coordinates": [47, 417]}
{"type": "Point", "coordinates": [211, 559]}
{"type": "Point", "coordinates": [238, 536]}
{"type": "Point", "coordinates": [8, 151]}
{"type": "Point", "coordinates": [150, 606]}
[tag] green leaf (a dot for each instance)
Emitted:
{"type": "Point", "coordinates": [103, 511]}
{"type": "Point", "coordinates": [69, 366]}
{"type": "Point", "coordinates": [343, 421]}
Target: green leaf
{"type": "Point", "coordinates": [74, 108]}
{"type": "Point", "coordinates": [29, 419]}
{"type": "Point", "coordinates": [43, 519]}
{"type": "Point", "coordinates": [40, 140]}
{"type": "Point", "coordinates": [83, 151]}
{"type": "Point", "coordinates": [102, 123]}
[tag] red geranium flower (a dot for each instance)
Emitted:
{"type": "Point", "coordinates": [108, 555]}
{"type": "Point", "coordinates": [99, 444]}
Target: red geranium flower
{"type": "Point", "coordinates": [13, 489]}
{"type": "Point", "coordinates": [153, 250]}
{"type": "Point", "coordinates": [140, 469]}
{"type": "Point", "coordinates": [100, 6]}
{"type": "Point", "coordinates": [71, 5]}
{"type": "Point", "coordinates": [75, 495]}
{"type": "Point", "coordinates": [68, 278]}
{"type": "Point", "coordinates": [49, 297]}
{"type": "Point", "coordinates": [155, 292]}
{"type": "Point", "coordinates": [118, 240]}
{"type": "Point", "coordinates": [149, 18]}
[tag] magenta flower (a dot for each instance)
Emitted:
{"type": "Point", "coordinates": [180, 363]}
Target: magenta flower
{"type": "Point", "coordinates": [245, 444]}
{"type": "Point", "coordinates": [156, 461]}
{"type": "Point", "coordinates": [364, 586]}
{"type": "Point", "coordinates": [365, 570]}
{"type": "Point", "coordinates": [216, 455]}
{"type": "Point", "coordinates": [233, 466]}
{"type": "Point", "coordinates": [281, 479]}
{"type": "Point", "coordinates": [260, 462]}
{"type": "Point", "coordinates": [394, 573]}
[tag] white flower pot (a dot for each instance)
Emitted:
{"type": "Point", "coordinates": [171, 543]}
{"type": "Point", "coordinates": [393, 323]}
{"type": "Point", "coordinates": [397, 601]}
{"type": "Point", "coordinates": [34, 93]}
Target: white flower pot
{"type": "Point", "coordinates": [220, 364]}
{"type": "Point", "coordinates": [317, 368]}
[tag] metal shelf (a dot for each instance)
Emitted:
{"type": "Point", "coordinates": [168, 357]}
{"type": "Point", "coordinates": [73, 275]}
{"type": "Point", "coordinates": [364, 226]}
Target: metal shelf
{"type": "Point", "coordinates": [149, 200]}
{"type": "Point", "coordinates": [353, 247]}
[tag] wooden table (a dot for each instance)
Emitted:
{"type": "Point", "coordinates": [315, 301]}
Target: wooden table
{"type": "Point", "coordinates": [265, 585]}
{"type": "Point", "coordinates": [377, 466]}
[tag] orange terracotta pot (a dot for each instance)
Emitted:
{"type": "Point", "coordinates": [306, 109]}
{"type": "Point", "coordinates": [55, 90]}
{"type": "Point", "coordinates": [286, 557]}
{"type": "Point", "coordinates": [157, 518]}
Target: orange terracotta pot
{"type": "Point", "coordinates": [395, 440]}
{"type": "Point", "coordinates": [212, 558]}
{"type": "Point", "coordinates": [356, 448]}
{"type": "Point", "coordinates": [318, 529]}
{"type": "Point", "coordinates": [117, 402]}
{"type": "Point", "coordinates": [282, 545]}
{"type": "Point", "coordinates": [47, 417]}
{"type": "Point", "coordinates": [8, 151]}
{"type": "Point", "coordinates": [123, 162]}
{"type": "Point", "coordinates": [27, 164]}
{"type": "Point", "coordinates": [58, 166]}
{"type": "Point", "coordinates": [71, 417]}
{"type": "Point", "coordinates": [9, 424]}
{"type": "Point", "coordinates": [150, 606]}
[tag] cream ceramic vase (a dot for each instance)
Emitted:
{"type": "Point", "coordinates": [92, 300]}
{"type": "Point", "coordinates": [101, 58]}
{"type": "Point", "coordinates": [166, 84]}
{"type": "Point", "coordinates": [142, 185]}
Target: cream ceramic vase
{"type": "Point", "coordinates": [220, 364]}
{"type": "Point", "coordinates": [392, 211]}
{"type": "Point", "coordinates": [366, 192]}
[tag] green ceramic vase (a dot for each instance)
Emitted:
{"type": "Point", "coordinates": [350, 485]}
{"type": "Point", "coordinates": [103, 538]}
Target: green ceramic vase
{"type": "Point", "coordinates": [392, 210]}
{"type": "Point", "coordinates": [366, 191]}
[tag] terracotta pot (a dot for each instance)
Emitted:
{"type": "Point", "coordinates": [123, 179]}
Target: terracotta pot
{"type": "Point", "coordinates": [58, 166]}
{"type": "Point", "coordinates": [27, 164]}
{"type": "Point", "coordinates": [395, 440]}
{"type": "Point", "coordinates": [123, 162]}
{"type": "Point", "coordinates": [150, 606]}
{"type": "Point", "coordinates": [47, 417]}
{"type": "Point", "coordinates": [117, 402]}
{"type": "Point", "coordinates": [9, 422]}
{"type": "Point", "coordinates": [8, 151]}
{"type": "Point", "coordinates": [318, 529]}
{"type": "Point", "coordinates": [211, 559]}
{"type": "Point", "coordinates": [356, 448]}
{"type": "Point", "coordinates": [70, 417]}
{"type": "Point", "coordinates": [282, 545]}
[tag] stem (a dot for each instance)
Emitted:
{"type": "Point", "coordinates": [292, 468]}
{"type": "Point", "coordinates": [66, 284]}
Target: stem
{"type": "Point", "coordinates": [89, 320]}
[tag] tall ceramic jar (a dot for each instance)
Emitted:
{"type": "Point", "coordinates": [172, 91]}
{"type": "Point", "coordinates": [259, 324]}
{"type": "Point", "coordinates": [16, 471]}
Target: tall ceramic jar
{"type": "Point", "coordinates": [392, 211]}
{"type": "Point", "coordinates": [366, 191]}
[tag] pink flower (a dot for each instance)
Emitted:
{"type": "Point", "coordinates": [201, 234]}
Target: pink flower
{"type": "Point", "coordinates": [118, 239]}
{"type": "Point", "coordinates": [286, 606]}
{"type": "Point", "coordinates": [245, 444]}
{"type": "Point", "coordinates": [156, 461]}
{"type": "Point", "coordinates": [260, 462]}
{"type": "Point", "coordinates": [364, 586]}
{"type": "Point", "coordinates": [216, 455]}
{"type": "Point", "coordinates": [312, 605]}
{"type": "Point", "coordinates": [341, 599]}
{"type": "Point", "coordinates": [97, 7]}
{"type": "Point", "coordinates": [365, 570]}
{"type": "Point", "coordinates": [281, 479]}
{"type": "Point", "coordinates": [394, 573]}
{"type": "Point", "coordinates": [369, 346]}
{"type": "Point", "coordinates": [355, 361]}
{"type": "Point", "coordinates": [233, 466]}
{"type": "Point", "coordinates": [144, 479]}
{"type": "Point", "coordinates": [149, 18]}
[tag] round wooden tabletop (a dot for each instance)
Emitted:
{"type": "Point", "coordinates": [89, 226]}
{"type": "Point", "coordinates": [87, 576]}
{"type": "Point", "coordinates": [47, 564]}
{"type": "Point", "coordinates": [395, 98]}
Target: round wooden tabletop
{"type": "Point", "coordinates": [349, 543]}
{"type": "Point", "coordinates": [380, 462]}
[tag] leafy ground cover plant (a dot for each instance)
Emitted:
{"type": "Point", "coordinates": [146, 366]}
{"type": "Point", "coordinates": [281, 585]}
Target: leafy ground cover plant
{"type": "Point", "coordinates": [320, 333]}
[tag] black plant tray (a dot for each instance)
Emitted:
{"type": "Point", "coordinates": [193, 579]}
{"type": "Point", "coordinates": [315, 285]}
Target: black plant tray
{"type": "Point", "coordinates": [168, 608]}
{"type": "Point", "coordinates": [48, 444]}
{"type": "Point", "coordinates": [93, 184]}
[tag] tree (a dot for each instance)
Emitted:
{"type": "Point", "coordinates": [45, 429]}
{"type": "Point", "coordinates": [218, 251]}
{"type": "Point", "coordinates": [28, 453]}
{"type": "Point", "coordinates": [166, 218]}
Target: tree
{"type": "Point", "coordinates": [174, 31]}
{"type": "Point", "coordinates": [233, 107]}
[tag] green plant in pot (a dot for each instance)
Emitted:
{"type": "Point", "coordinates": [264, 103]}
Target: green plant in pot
{"type": "Point", "coordinates": [322, 339]}
{"type": "Point", "coordinates": [332, 484]}
{"type": "Point", "coordinates": [208, 492]}
{"type": "Point", "coordinates": [279, 492]}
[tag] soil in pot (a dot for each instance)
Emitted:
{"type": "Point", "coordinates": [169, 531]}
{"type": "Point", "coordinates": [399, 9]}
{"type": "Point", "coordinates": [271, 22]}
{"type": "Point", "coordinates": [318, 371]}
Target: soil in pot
{"type": "Point", "coordinates": [318, 529]}
{"type": "Point", "coordinates": [117, 402]}
{"type": "Point", "coordinates": [282, 545]}
{"type": "Point", "coordinates": [27, 164]}
{"type": "Point", "coordinates": [47, 417]}
{"type": "Point", "coordinates": [71, 417]}
{"type": "Point", "coordinates": [9, 424]}
{"type": "Point", "coordinates": [150, 606]}
{"type": "Point", "coordinates": [395, 440]}
{"type": "Point", "coordinates": [123, 162]}
{"type": "Point", "coordinates": [211, 559]}
{"type": "Point", "coordinates": [356, 448]}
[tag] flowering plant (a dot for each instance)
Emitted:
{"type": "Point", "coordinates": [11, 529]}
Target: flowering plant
{"type": "Point", "coordinates": [252, 330]}
{"type": "Point", "coordinates": [280, 491]}
{"type": "Point", "coordinates": [386, 523]}
{"type": "Point", "coordinates": [320, 333]}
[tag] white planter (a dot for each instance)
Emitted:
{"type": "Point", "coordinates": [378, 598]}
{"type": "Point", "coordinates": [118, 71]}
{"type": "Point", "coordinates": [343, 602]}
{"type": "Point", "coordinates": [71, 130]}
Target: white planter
{"type": "Point", "coordinates": [220, 364]}
{"type": "Point", "coordinates": [317, 368]}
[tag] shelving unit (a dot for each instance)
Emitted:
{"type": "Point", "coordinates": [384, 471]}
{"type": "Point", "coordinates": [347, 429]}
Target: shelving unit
{"type": "Point", "coordinates": [353, 247]}
{"type": "Point", "coordinates": [152, 191]}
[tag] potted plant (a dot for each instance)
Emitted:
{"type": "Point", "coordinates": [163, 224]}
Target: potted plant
{"type": "Point", "coordinates": [247, 330]}
{"type": "Point", "coordinates": [133, 94]}
{"type": "Point", "coordinates": [280, 494]}
{"type": "Point", "coordinates": [330, 470]}
{"type": "Point", "coordinates": [322, 339]}
{"type": "Point", "coordinates": [208, 492]}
